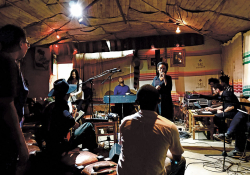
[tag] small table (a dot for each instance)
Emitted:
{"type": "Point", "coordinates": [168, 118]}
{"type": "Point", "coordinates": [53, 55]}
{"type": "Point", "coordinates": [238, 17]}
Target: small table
{"type": "Point", "coordinates": [106, 125]}
{"type": "Point", "coordinates": [206, 127]}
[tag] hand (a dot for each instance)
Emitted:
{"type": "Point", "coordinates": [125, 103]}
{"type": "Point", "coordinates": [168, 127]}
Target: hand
{"type": "Point", "coordinates": [208, 108]}
{"type": "Point", "coordinates": [158, 87]}
{"type": "Point", "coordinates": [76, 125]}
{"type": "Point", "coordinates": [162, 76]}
{"type": "Point", "coordinates": [23, 159]}
{"type": "Point", "coordinates": [219, 111]}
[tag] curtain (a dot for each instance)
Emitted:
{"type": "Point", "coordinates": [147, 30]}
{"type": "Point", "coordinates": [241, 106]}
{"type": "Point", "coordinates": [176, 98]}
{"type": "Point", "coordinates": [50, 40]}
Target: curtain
{"type": "Point", "coordinates": [232, 62]}
{"type": "Point", "coordinates": [246, 64]}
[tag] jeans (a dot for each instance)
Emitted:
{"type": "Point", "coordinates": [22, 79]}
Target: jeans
{"type": "Point", "coordinates": [238, 127]}
{"type": "Point", "coordinates": [219, 121]}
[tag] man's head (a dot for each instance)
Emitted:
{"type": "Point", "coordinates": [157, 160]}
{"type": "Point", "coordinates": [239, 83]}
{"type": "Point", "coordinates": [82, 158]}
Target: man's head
{"type": "Point", "coordinates": [218, 89]}
{"type": "Point", "coordinates": [62, 88]}
{"type": "Point", "coordinates": [224, 80]}
{"type": "Point", "coordinates": [147, 97]}
{"type": "Point", "coordinates": [213, 81]}
{"type": "Point", "coordinates": [120, 80]}
{"type": "Point", "coordinates": [12, 39]}
{"type": "Point", "coordinates": [162, 67]}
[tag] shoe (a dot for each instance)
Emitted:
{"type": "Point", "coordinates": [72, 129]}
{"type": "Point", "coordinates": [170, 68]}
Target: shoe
{"type": "Point", "coordinates": [220, 137]}
{"type": "Point", "coordinates": [234, 153]}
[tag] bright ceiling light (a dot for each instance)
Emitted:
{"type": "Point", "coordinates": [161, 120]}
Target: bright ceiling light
{"type": "Point", "coordinates": [75, 9]}
{"type": "Point", "coordinates": [109, 46]}
{"type": "Point", "coordinates": [178, 30]}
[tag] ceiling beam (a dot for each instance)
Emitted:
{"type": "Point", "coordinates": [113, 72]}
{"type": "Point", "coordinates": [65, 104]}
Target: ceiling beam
{"type": "Point", "coordinates": [92, 3]}
{"type": "Point", "coordinates": [120, 8]}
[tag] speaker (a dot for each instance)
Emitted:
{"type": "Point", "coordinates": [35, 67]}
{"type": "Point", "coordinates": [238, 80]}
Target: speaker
{"type": "Point", "coordinates": [115, 152]}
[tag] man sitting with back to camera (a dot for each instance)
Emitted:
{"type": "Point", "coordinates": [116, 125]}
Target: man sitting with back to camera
{"type": "Point", "coordinates": [60, 121]}
{"type": "Point", "coordinates": [148, 138]}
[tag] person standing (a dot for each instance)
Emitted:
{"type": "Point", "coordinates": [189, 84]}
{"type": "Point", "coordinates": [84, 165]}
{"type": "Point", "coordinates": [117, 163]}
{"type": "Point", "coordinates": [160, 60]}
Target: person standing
{"type": "Point", "coordinates": [147, 139]}
{"type": "Point", "coordinates": [13, 149]}
{"type": "Point", "coordinates": [163, 83]}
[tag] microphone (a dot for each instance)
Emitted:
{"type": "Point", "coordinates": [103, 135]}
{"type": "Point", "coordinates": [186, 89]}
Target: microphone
{"type": "Point", "coordinates": [115, 70]}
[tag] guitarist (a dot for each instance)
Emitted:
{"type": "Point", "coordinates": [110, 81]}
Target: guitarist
{"type": "Point", "coordinates": [230, 106]}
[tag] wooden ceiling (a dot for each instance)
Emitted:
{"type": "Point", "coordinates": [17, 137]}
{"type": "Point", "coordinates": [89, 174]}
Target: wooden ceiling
{"type": "Point", "coordinates": [121, 19]}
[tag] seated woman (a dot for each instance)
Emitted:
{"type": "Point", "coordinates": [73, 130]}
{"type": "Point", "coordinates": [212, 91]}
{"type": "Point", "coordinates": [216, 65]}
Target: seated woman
{"type": "Point", "coordinates": [77, 96]}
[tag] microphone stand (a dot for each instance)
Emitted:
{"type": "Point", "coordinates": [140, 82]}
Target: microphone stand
{"type": "Point", "coordinates": [109, 77]}
{"type": "Point", "coordinates": [224, 153]}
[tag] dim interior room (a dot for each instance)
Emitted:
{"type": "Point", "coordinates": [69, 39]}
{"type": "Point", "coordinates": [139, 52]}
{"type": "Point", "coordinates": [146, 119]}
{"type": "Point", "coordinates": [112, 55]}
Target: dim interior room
{"type": "Point", "coordinates": [114, 39]}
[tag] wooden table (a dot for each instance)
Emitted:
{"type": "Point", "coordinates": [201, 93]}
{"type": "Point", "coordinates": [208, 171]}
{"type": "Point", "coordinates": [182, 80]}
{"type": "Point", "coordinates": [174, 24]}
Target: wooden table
{"type": "Point", "coordinates": [106, 126]}
{"type": "Point", "coordinates": [206, 126]}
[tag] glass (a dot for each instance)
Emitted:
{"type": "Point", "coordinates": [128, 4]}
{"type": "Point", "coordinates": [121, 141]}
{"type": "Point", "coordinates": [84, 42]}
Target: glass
{"type": "Point", "coordinates": [28, 44]}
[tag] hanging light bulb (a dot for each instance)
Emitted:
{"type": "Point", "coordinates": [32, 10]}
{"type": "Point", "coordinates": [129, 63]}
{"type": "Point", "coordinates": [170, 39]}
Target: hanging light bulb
{"type": "Point", "coordinates": [57, 36]}
{"type": "Point", "coordinates": [178, 30]}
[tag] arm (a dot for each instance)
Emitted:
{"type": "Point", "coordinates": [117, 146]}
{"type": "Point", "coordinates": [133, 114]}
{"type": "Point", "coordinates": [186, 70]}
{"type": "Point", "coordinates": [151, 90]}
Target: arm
{"type": "Point", "coordinates": [115, 91]}
{"type": "Point", "coordinates": [214, 109]}
{"type": "Point", "coordinates": [80, 88]}
{"type": "Point", "coordinates": [129, 90]}
{"type": "Point", "coordinates": [166, 85]}
{"type": "Point", "coordinates": [9, 114]}
{"type": "Point", "coordinates": [175, 150]}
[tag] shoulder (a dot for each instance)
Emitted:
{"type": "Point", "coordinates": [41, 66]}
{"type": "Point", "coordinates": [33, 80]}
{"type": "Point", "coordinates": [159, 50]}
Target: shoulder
{"type": "Point", "coordinates": [9, 77]}
{"type": "Point", "coordinates": [156, 77]}
{"type": "Point", "coordinates": [126, 121]}
{"type": "Point", "coordinates": [168, 77]}
{"type": "Point", "coordinates": [167, 124]}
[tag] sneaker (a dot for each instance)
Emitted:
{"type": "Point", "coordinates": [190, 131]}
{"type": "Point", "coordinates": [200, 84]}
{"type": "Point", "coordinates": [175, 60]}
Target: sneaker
{"type": "Point", "coordinates": [234, 153]}
{"type": "Point", "coordinates": [220, 137]}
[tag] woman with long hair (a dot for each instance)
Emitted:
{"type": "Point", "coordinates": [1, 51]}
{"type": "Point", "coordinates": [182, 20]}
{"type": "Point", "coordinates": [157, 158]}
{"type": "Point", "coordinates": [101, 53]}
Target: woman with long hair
{"type": "Point", "coordinates": [77, 96]}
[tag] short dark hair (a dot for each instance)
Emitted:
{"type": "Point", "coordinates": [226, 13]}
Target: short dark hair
{"type": "Point", "coordinates": [10, 37]}
{"type": "Point", "coordinates": [225, 79]}
{"type": "Point", "coordinates": [218, 86]}
{"type": "Point", "coordinates": [162, 63]}
{"type": "Point", "coordinates": [213, 80]}
{"type": "Point", "coordinates": [147, 97]}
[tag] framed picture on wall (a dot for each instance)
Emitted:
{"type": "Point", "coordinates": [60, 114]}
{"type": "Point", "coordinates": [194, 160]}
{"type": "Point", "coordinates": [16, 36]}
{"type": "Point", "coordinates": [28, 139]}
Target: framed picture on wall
{"type": "Point", "coordinates": [177, 57]}
{"type": "Point", "coordinates": [42, 58]}
{"type": "Point", "coordinates": [152, 63]}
